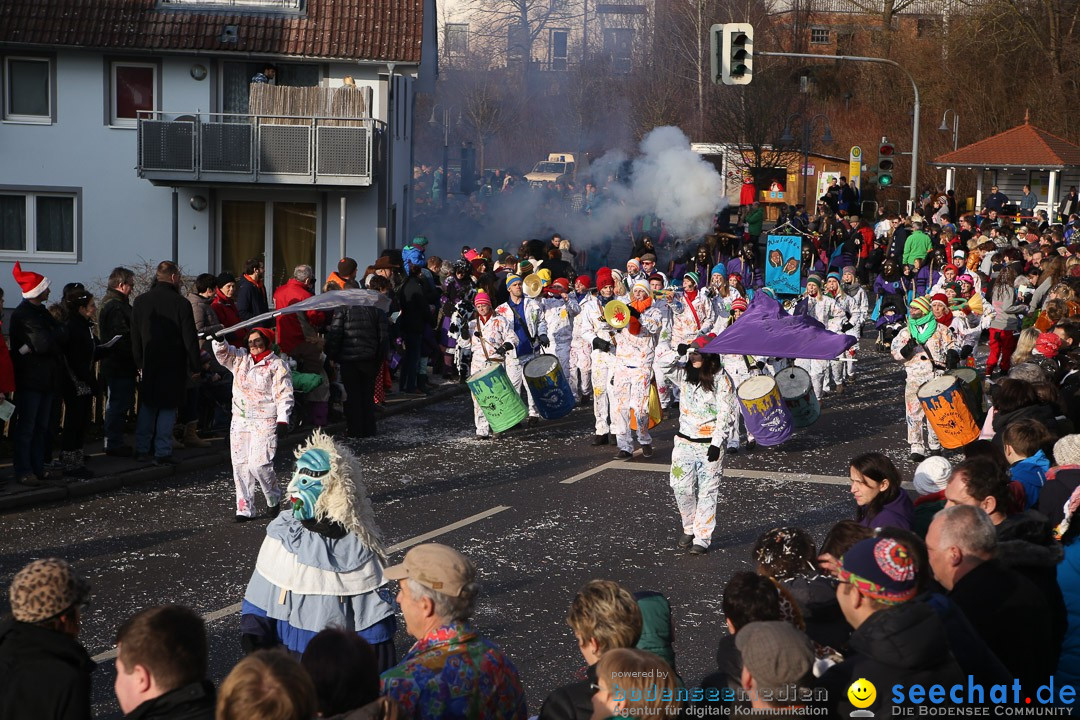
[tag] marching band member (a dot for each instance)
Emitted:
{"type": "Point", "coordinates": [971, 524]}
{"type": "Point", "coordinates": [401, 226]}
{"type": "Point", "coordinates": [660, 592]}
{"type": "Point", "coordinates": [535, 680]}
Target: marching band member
{"type": "Point", "coordinates": [601, 338]}
{"type": "Point", "coordinates": [580, 370]}
{"type": "Point", "coordinates": [491, 338]}
{"type": "Point", "coordinates": [828, 313]}
{"type": "Point", "coordinates": [835, 290]}
{"type": "Point", "coordinates": [722, 295]}
{"type": "Point", "coordinates": [665, 354]}
{"type": "Point", "coordinates": [692, 312]}
{"type": "Point", "coordinates": [740, 368]}
{"type": "Point", "coordinates": [963, 323]}
{"type": "Point", "coordinates": [634, 273]}
{"type": "Point", "coordinates": [559, 312]}
{"type": "Point", "coordinates": [526, 317]}
{"type": "Point", "coordinates": [706, 414]}
{"type": "Point", "coordinates": [858, 313]}
{"type": "Point", "coordinates": [927, 349]}
{"type": "Point", "coordinates": [635, 350]}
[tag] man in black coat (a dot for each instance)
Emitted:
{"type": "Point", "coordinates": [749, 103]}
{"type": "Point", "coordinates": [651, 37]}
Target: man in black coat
{"type": "Point", "coordinates": [415, 318]}
{"type": "Point", "coordinates": [166, 351]}
{"type": "Point", "coordinates": [37, 341]}
{"type": "Point", "coordinates": [896, 641]}
{"type": "Point", "coordinates": [358, 339]}
{"type": "Point", "coordinates": [161, 666]}
{"type": "Point", "coordinates": [117, 368]}
{"type": "Point", "coordinates": [251, 292]}
{"type": "Point", "coordinates": [44, 669]}
{"type": "Point", "coordinates": [1009, 613]}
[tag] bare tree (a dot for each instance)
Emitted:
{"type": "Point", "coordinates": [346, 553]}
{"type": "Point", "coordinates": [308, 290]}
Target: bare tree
{"type": "Point", "coordinates": [519, 24]}
{"type": "Point", "coordinates": [488, 104]}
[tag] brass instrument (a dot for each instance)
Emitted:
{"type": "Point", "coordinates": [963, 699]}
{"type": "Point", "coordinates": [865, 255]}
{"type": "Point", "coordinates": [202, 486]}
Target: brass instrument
{"type": "Point", "coordinates": [617, 314]}
{"type": "Point", "coordinates": [532, 285]}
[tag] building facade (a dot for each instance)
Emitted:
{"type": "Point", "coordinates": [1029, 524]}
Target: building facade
{"type": "Point", "coordinates": [127, 134]}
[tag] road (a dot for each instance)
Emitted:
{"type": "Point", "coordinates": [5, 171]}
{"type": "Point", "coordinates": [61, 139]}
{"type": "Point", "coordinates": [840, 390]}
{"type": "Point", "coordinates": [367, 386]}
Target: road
{"type": "Point", "coordinates": [540, 512]}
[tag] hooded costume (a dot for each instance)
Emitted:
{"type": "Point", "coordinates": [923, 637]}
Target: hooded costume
{"type": "Point", "coordinates": [321, 563]}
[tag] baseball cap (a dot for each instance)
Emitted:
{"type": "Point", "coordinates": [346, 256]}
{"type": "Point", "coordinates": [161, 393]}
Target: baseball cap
{"type": "Point", "coordinates": [775, 653]}
{"type": "Point", "coordinates": [46, 588]}
{"type": "Point", "coordinates": [437, 567]}
{"type": "Point", "coordinates": [882, 569]}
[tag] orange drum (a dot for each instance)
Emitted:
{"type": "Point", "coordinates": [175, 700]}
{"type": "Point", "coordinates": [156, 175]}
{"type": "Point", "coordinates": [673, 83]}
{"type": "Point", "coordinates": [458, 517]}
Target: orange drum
{"type": "Point", "coordinates": [946, 406]}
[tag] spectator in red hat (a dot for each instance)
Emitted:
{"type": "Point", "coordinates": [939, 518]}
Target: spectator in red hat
{"type": "Point", "coordinates": [36, 341]}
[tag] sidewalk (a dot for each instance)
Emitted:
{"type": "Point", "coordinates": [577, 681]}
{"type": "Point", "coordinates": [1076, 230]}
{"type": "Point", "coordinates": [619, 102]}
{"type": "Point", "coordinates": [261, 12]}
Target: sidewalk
{"type": "Point", "coordinates": [112, 473]}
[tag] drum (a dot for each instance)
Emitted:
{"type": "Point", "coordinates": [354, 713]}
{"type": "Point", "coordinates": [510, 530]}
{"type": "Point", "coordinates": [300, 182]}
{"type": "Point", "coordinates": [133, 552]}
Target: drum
{"type": "Point", "coordinates": [550, 390]}
{"type": "Point", "coordinates": [498, 399]}
{"type": "Point", "coordinates": [973, 386]}
{"type": "Point", "coordinates": [945, 402]}
{"type": "Point", "coordinates": [798, 394]}
{"type": "Point", "coordinates": [766, 416]}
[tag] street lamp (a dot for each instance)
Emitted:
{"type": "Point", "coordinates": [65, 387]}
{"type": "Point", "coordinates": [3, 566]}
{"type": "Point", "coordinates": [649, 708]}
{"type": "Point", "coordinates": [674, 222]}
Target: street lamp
{"type": "Point", "coordinates": [955, 126]}
{"type": "Point", "coordinates": [955, 138]}
{"type": "Point", "coordinates": [807, 126]}
{"type": "Point", "coordinates": [446, 148]}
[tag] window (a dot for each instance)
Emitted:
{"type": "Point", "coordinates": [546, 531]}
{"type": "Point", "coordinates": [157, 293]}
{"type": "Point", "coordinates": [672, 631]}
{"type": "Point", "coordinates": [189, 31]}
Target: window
{"type": "Point", "coordinates": [925, 27]}
{"type": "Point", "coordinates": [236, 82]}
{"type": "Point", "coordinates": [819, 35]}
{"type": "Point", "coordinates": [457, 39]}
{"type": "Point", "coordinates": [559, 42]}
{"type": "Point", "coordinates": [41, 224]}
{"type": "Point", "coordinates": [134, 88]}
{"type": "Point", "coordinates": [618, 43]}
{"type": "Point", "coordinates": [28, 89]}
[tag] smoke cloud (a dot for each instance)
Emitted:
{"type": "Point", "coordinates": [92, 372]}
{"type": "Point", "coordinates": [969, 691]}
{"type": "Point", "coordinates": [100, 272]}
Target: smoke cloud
{"type": "Point", "coordinates": [666, 179]}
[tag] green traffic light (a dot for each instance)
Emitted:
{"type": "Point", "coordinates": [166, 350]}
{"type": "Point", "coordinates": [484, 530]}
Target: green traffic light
{"type": "Point", "coordinates": [885, 180]}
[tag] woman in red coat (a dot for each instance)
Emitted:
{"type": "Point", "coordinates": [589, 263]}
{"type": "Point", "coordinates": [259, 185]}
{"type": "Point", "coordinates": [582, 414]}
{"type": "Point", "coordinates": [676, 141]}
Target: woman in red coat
{"type": "Point", "coordinates": [224, 306]}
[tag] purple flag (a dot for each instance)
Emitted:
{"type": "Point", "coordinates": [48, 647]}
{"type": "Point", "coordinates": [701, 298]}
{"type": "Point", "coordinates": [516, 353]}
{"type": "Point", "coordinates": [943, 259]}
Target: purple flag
{"type": "Point", "coordinates": [765, 329]}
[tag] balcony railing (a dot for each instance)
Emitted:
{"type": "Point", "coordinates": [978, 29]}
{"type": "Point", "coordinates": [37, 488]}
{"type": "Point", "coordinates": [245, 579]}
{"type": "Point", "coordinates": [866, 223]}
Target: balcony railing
{"type": "Point", "coordinates": [231, 148]}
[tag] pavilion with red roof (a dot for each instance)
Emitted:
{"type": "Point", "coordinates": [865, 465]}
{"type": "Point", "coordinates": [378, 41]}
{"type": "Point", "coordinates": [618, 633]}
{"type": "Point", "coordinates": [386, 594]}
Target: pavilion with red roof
{"type": "Point", "coordinates": [1023, 155]}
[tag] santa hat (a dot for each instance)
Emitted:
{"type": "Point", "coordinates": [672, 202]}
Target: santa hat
{"type": "Point", "coordinates": [584, 280]}
{"type": "Point", "coordinates": [32, 283]}
{"type": "Point", "coordinates": [603, 278]}
{"type": "Point", "coordinates": [738, 304]}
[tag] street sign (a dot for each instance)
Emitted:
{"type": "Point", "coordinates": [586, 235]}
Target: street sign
{"type": "Point", "coordinates": [855, 168]}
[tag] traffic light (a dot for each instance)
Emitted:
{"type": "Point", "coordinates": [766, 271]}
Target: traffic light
{"type": "Point", "coordinates": [886, 163]}
{"type": "Point", "coordinates": [732, 53]}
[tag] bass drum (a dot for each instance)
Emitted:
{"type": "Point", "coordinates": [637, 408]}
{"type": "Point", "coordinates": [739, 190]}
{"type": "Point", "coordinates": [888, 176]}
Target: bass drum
{"type": "Point", "coordinates": [766, 416]}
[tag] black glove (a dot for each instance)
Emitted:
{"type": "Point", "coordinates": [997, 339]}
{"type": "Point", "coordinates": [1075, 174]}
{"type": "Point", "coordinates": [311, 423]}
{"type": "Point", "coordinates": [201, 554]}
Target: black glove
{"type": "Point", "coordinates": [453, 328]}
{"type": "Point", "coordinates": [683, 347]}
{"type": "Point", "coordinates": [760, 364]}
{"type": "Point", "coordinates": [478, 334]}
{"type": "Point", "coordinates": [543, 341]}
{"type": "Point", "coordinates": [965, 352]}
{"type": "Point", "coordinates": [952, 359]}
{"type": "Point", "coordinates": [634, 312]}
{"type": "Point", "coordinates": [506, 348]}
{"type": "Point", "coordinates": [908, 350]}
{"type": "Point", "coordinates": [714, 453]}
{"type": "Point", "coordinates": [846, 326]}
{"type": "Point", "coordinates": [601, 344]}
{"type": "Point", "coordinates": [282, 429]}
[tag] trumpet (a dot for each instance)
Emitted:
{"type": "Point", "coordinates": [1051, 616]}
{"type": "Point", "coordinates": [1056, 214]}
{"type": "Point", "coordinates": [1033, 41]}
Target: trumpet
{"type": "Point", "coordinates": [790, 304]}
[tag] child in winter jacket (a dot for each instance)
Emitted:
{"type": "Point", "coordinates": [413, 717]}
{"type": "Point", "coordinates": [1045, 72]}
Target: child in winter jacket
{"type": "Point", "coordinates": [1023, 441]}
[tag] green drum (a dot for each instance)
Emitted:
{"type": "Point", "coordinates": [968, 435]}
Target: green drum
{"type": "Point", "coordinates": [498, 399]}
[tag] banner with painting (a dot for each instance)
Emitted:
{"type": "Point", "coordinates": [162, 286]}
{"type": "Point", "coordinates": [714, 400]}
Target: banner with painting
{"type": "Point", "coordinates": [783, 260]}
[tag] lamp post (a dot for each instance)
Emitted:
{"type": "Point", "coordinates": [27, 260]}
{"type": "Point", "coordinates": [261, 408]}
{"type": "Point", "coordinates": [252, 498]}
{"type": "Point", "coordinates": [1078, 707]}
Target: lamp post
{"type": "Point", "coordinates": [955, 141]}
{"type": "Point", "coordinates": [445, 149]}
{"type": "Point", "coordinates": [807, 126]}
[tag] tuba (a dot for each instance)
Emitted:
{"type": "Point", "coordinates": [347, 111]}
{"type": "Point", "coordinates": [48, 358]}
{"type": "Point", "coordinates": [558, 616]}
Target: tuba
{"type": "Point", "coordinates": [532, 285]}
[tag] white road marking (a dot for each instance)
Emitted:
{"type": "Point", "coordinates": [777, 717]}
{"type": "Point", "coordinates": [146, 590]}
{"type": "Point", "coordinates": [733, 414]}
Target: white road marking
{"type": "Point", "coordinates": [728, 472]}
{"type": "Point", "coordinates": [403, 545]}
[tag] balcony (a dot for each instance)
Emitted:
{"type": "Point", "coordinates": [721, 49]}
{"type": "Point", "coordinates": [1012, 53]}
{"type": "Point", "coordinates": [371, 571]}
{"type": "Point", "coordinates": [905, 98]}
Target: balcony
{"type": "Point", "coordinates": [212, 148]}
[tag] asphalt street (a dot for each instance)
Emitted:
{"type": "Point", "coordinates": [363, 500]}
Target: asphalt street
{"type": "Point", "coordinates": [540, 512]}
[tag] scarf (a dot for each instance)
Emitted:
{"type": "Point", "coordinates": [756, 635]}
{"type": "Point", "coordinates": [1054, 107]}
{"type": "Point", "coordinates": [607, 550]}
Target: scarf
{"type": "Point", "coordinates": [850, 288]}
{"type": "Point", "coordinates": [922, 329]}
{"type": "Point", "coordinates": [258, 284]}
{"type": "Point", "coordinates": [946, 319]}
{"type": "Point", "coordinates": [641, 306]}
{"type": "Point", "coordinates": [259, 357]}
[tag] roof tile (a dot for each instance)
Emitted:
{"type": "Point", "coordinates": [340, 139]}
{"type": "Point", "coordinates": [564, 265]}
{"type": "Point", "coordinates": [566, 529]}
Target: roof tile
{"type": "Point", "coordinates": [1023, 146]}
{"type": "Point", "coordinates": [346, 29]}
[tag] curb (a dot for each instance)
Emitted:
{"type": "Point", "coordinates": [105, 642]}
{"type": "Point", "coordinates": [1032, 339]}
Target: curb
{"type": "Point", "coordinates": [140, 475]}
